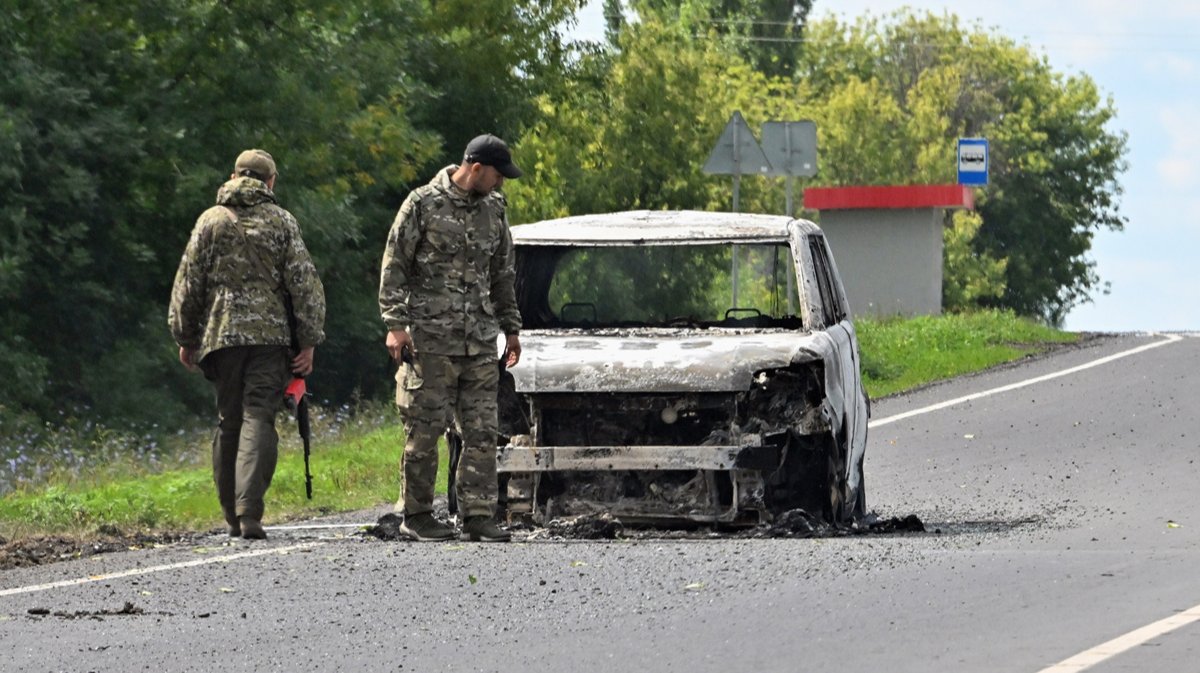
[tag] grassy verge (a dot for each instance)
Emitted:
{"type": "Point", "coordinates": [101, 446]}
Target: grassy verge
{"type": "Point", "coordinates": [899, 355]}
{"type": "Point", "coordinates": [355, 462]}
{"type": "Point", "coordinates": [355, 468]}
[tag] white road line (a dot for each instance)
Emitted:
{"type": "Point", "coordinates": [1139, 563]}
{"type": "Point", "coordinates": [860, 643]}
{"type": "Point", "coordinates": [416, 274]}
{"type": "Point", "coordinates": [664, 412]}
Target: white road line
{"type": "Point", "coordinates": [1095, 655]}
{"type": "Point", "coordinates": [319, 526]}
{"type": "Point", "coordinates": [1099, 653]}
{"type": "Point", "coordinates": [155, 569]}
{"type": "Point", "coordinates": [1170, 339]}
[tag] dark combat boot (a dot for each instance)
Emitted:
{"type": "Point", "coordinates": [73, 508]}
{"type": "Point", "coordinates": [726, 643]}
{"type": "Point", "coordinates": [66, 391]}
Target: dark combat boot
{"type": "Point", "coordinates": [252, 528]}
{"type": "Point", "coordinates": [483, 529]}
{"type": "Point", "coordinates": [235, 528]}
{"type": "Point", "coordinates": [423, 527]}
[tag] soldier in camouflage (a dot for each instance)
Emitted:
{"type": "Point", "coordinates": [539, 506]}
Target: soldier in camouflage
{"type": "Point", "coordinates": [445, 293]}
{"type": "Point", "coordinates": [229, 315]}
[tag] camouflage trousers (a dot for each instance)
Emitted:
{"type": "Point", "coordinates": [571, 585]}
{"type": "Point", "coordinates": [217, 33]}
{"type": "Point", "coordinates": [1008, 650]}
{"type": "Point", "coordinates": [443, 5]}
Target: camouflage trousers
{"type": "Point", "coordinates": [249, 382]}
{"type": "Point", "coordinates": [432, 393]}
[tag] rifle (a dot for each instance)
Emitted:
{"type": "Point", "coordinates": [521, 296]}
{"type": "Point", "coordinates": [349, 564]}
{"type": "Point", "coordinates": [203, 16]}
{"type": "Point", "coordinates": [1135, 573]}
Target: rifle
{"type": "Point", "coordinates": [296, 396]}
{"type": "Point", "coordinates": [454, 443]}
{"type": "Point", "coordinates": [296, 393]}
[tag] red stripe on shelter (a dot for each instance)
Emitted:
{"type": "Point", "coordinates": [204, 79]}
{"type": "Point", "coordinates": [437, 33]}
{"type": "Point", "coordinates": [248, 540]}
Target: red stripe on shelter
{"type": "Point", "coordinates": [891, 196]}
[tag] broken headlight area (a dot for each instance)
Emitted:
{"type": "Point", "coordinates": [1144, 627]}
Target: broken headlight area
{"type": "Point", "coordinates": [736, 458]}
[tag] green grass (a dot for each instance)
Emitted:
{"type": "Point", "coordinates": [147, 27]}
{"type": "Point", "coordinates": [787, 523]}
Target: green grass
{"type": "Point", "coordinates": [900, 354]}
{"type": "Point", "coordinates": [356, 470]}
{"type": "Point", "coordinates": [356, 457]}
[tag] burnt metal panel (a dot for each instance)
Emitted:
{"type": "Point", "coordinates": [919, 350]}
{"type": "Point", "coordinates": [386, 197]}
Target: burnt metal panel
{"type": "Point", "coordinates": [759, 457]}
{"type": "Point", "coordinates": [658, 361]}
{"type": "Point", "coordinates": [592, 458]}
{"type": "Point", "coordinates": [659, 227]}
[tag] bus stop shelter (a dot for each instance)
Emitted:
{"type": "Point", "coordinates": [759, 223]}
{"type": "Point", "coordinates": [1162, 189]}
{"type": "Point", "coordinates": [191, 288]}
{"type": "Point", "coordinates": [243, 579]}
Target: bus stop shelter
{"type": "Point", "coordinates": [887, 243]}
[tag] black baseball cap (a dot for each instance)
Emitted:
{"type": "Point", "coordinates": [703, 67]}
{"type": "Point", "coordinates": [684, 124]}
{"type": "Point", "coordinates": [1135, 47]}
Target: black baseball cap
{"type": "Point", "coordinates": [489, 150]}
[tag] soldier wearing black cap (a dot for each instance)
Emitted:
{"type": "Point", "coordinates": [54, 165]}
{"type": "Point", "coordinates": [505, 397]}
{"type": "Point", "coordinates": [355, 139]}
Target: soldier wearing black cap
{"type": "Point", "coordinates": [445, 294]}
{"type": "Point", "coordinates": [488, 150]}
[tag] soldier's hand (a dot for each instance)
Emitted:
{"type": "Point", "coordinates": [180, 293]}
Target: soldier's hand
{"type": "Point", "coordinates": [302, 364]}
{"type": "Point", "coordinates": [512, 350]}
{"type": "Point", "coordinates": [398, 340]}
{"type": "Point", "coordinates": [187, 357]}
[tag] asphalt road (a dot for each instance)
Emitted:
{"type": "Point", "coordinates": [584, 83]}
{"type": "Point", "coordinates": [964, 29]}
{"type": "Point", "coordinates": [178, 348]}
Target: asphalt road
{"type": "Point", "coordinates": [1060, 515]}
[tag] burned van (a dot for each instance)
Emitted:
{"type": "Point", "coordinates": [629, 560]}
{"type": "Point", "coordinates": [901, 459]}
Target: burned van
{"type": "Point", "coordinates": [681, 366]}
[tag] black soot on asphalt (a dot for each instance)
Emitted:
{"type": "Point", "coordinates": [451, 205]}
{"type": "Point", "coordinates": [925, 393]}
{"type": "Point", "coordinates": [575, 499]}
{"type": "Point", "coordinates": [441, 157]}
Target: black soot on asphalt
{"type": "Point", "coordinates": [796, 523]}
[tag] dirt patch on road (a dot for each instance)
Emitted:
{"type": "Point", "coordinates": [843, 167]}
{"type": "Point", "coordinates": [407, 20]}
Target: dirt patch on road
{"type": "Point", "coordinates": [127, 610]}
{"type": "Point", "coordinates": [40, 550]}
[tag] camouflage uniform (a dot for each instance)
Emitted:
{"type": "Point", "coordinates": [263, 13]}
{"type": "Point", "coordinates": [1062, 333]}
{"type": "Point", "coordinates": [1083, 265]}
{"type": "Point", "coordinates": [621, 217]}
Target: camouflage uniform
{"type": "Point", "coordinates": [228, 302]}
{"type": "Point", "coordinates": [447, 277]}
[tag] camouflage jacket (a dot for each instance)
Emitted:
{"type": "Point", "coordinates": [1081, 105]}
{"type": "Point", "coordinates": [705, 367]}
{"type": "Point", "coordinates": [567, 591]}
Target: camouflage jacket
{"type": "Point", "coordinates": [447, 273]}
{"type": "Point", "coordinates": [229, 290]}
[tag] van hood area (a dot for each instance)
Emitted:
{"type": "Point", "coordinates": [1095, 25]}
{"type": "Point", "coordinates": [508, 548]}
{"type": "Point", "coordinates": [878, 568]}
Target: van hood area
{"type": "Point", "coordinates": [657, 360]}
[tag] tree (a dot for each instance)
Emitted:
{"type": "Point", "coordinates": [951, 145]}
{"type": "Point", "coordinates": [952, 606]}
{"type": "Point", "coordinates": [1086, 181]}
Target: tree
{"type": "Point", "coordinates": [969, 278]}
{"type": "Point", "coordinates": [631, 127]}
{"type": "Point", "coordinates": [1054, 162]}
{"type": "Point", "coordinates": [890, 98]}
{"type": "Point", "coordinates": [77, 274]}
{"type": "Point", "coordinates": [485, 62]}
{"type": "Point", "coordinates": [766, 33]}
{"type": "Point", "coordinates": [119, 120]}
{"type": "Point", "coordinates": [614, 21]}
{"type": "Point", "coordinates": [628, 134]}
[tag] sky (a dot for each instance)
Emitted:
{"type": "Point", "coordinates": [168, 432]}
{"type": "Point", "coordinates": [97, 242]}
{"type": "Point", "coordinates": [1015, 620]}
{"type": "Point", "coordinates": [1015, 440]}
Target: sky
{"type": "Point", "coordinates": [1145, 56]}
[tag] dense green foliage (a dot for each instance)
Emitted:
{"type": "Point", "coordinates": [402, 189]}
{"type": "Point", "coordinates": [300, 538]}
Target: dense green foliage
{"type": "Point", "coordinates": [765, 33]}
{"type": "Point", "coordinates": [118, 121]}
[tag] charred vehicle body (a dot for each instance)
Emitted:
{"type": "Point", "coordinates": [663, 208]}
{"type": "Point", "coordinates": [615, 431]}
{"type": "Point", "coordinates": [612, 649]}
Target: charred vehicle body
{"type": "Point", "coordinates": [681, 366]}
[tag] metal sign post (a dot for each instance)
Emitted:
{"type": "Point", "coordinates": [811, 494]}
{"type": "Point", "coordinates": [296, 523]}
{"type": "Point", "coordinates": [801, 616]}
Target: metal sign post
{"type": "Point", "coordinates": [791, 147]}
{"type": "Point", "coordinates": [736, 152]}
{"type": "Point", "coordinates": [737, 168]}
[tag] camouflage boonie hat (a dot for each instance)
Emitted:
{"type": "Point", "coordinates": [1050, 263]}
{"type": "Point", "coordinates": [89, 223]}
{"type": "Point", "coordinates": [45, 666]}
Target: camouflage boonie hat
{"type": "Point", "coordinates": [255, 164]}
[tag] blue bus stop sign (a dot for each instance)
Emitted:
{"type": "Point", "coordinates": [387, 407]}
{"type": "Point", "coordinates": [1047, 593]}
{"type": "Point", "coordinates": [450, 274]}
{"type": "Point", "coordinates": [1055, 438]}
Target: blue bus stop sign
{"type": "Point", "coordinates": [972, 161]}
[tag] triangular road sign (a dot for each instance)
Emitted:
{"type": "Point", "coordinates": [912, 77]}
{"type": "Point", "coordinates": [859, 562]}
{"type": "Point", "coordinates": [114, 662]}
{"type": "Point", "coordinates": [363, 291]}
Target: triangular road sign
{"type": "Point", "coordinates": [737, 152]}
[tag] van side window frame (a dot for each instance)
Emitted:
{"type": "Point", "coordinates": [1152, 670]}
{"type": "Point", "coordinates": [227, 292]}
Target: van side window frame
{"type": "Point", "coordinates": [833, 309]}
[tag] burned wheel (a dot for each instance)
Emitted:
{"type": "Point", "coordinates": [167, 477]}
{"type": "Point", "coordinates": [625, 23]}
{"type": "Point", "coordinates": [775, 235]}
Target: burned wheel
{"type": "Point", "coordinates": [836, 483]}
{"type": "Point", "coordinates": [811, 477]}
{"type": "Point", "coordinates": [860, 496]}
{"type": "Point", "coordinates": [844, 503]}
